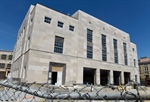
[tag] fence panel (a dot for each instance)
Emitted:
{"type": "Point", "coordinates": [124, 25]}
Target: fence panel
{"type": "Point", "coordinates": [34, 92]}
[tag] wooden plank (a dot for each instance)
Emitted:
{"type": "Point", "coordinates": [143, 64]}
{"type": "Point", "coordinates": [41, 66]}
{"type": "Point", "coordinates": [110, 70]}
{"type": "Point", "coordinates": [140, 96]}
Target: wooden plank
{"type": "Point", "coordinates": [56, 69]}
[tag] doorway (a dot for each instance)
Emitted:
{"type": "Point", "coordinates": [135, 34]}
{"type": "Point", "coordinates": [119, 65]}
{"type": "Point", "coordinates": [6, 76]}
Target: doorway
{"type": "Point", "coordinates": [104, 77]}
{"type": "Point", "coordinates": [126, 77]}
{"type": "Point", "coordinates": [117, 77]}
{"type": "Point", "coordinates": [54, 78]}
{"type": "Point", "coordinates": [89, 76]}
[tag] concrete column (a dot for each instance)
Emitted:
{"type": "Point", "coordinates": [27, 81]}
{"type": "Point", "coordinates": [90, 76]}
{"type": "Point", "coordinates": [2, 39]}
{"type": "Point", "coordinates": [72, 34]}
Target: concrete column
{"type": "Point", "coordinates": [111, 77]}
{"type": "Point", "coordinates": [80, 75]}
{"type": "Point", "coordinates": [122, 77]}
{"type": "Point", "coordinates": [98, 76]}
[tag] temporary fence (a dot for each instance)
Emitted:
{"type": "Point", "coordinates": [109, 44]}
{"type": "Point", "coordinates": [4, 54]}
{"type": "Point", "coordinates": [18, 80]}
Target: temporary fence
{"type": "Point", "coordinates": [34, 92]}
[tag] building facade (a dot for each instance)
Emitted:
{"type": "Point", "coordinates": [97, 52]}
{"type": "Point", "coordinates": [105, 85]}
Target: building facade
{"type": "Point", "coordinates": [60, 49]}
{"type": "Point", "coordinates": [144, 64]}
{"type": "Point", "coordinates": [5, 63]}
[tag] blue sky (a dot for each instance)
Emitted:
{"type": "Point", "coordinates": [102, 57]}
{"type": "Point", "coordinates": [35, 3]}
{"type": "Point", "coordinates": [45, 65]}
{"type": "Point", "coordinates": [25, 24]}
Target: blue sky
{"type": "Point", "coordinates": [131, 16]}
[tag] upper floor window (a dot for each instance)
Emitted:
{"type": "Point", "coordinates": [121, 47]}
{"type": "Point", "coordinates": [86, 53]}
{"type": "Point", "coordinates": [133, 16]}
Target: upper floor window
{"type": "Point", "coordinates": [103, 40]}
{"type": "Point", "coordinates": [104, 48]}
{"type": "Point", "coordinates": [134, 61]}
{"type": "Point", "coordinates": [10, 57]}
{"type": "Point", "coordinates": [71, 28]}
{"type": "Point", "coordinates": [124, 47]}
{"type": "Point", "coordinates": [89, 43]}
{"type": "Point", "coordinates": [133, 49]}
{"type": "Point", "coordinates": [115, 51]}
{"type": "Point", "coordinates": [145, 64]}
{"type": "Point", "coordinates": [2, 65]}
{"type": "Point", "coordinates": [146, 68]}
{"type": "Point", "coordinates": [89, 35]}
{"type": "Point", "coordinates": [125, 54]}
{"type": "Point", "coordinates": [3, 56]}
{"type": "Point", "coordinates": [115, 43]}
{"type": "Point", "coordinates": [60, 24]}
{"type": "Point", "coordinates": [47, 20]}
{"type": "Point", "coordinates": [58, 47]}
{"type": "Point", "coordinates": [8, 65]}
{"type": "Point", "coordinates": [89, 51]}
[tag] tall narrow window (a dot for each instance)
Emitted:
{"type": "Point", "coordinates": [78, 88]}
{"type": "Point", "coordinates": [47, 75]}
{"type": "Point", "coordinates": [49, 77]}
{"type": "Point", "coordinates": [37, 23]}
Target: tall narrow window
{"type": "Point", "coordinates": [89, 43]}
{"type": "Point", "coordinates": [10, 57]}
{"type": "Point", "coordinates": [58, 47]}
{"type": "Point", "coordinates": [115, 51]}
{"type": "Point", "coordinates": [134, 61]}
{"type": "Point", "coordinates": [47, 20]}
{"type": "Point", "coordinates": [104, 48]}
{"type": "Point", "coordinates": [125, 54]}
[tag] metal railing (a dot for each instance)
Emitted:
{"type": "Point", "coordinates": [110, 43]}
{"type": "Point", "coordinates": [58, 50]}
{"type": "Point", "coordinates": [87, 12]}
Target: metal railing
{"type": "Point", "coordinates": [34, 92]}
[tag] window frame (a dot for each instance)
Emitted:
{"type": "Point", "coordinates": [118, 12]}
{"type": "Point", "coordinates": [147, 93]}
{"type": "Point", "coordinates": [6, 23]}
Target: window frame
{"type": "Point", "coordinates": [47, 19]}
{"type": "Point", "coordinates": [134, 61]}
{"type": "Point", "coordinates": [60, 24]}
{"type": "Point", "coordinates": [71, 28]}
{"type": "Point", "coordinates": [8, 65]}
{"type": "Point", "coordinates": [125, 53]}
{"type": "Point", "coordinates": [10, 58]}
{"type": "Point", "coordinates": [3, 56]}
{"type": "Point", "coordinates": [2, 64]}
{"type": "Point", "coordinates": [58, 45]}
{"type": "Point", "coordinates": [89, 51]}
{"type": "Point", "coordinates": [104, 47]}
{"type": "Point", "coordinates": [115, 44]}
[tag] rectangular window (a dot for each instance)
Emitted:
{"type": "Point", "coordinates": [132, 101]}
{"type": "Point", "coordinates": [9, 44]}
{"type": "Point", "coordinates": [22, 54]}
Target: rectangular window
{"type": "Point", "coordinates": [47, 20]}
{"type": "Point", "coordinates": [71, 28]}
{"type": "Point", "coordinates": [89, 35]}
{"type": "Point", "coordinates": [89, 43]}
{"type": "Point", "coordinates": [8, 65]}
{"type": "Point", "coordinates": [115, 51]}
{"type": "Point", "coordinates": [145, 65]}
{"type": "Point", "coordinates": [58, 47]}
{"type": "Point", "coordinates": [146, 68]}
{"type": "Point", "coordinates": [126, 60]}
{"type": "Point", "coordinates": [2, 65]}
{"type": "Point", "coordinates": [3, 56]}
{"type": "Point", "coordinates": [10, 57]}
{"type": "Point", "coordinates": [89, 52]}
{"type": "Point", "coordinates": [134, 61]}
{"type": "Point", "coordinates": [125, 54]}
{"type": "Point", "coordinates": [104, 55]}
{"type": "Point", "coordinates": [104, 48]}
{"type": "Point", "coordinates": [60, 24]}
{"type": "Point", "coordinates": [125, 47]}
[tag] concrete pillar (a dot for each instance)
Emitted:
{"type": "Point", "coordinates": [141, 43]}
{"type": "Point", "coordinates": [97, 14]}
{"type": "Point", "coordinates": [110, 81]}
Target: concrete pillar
{"type": "Point", "coordinates": [98, 76]}
{"type": "Point", "coordinates": [122, 77]}
{"type": "Point", "coordinates": [111, 77]}
{"type": "Point", "coordinates": [80, 75]}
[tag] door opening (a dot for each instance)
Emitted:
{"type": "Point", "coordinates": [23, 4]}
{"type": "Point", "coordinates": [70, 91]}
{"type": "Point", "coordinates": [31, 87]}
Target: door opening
{"type": "Point", "coordinates": [89, 76]}
{"type": "Point", "coordinates": [54, 78]}
{"type": "Point", "coordinates": [104, 77]}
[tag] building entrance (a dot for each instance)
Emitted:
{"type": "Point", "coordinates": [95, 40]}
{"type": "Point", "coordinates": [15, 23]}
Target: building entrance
{"type": "Point", "coordinates": [117, 77]}
{"type": "Point", "coordinates": [89, 76]}
{"type": "Point", "coordinates": [104, 77]}
{"type": "Point", "coordinates": [57, 73]}
{"type": "Point", "coordinates": [126, 77]}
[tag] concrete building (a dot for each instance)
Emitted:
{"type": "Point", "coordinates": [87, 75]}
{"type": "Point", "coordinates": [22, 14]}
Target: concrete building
{"type": "Point", "coordinates": [5, 63]}
{"type": "Point", "coordinates": [144, 64]}
{"type": "Point", "coordinates": [60, 49]}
